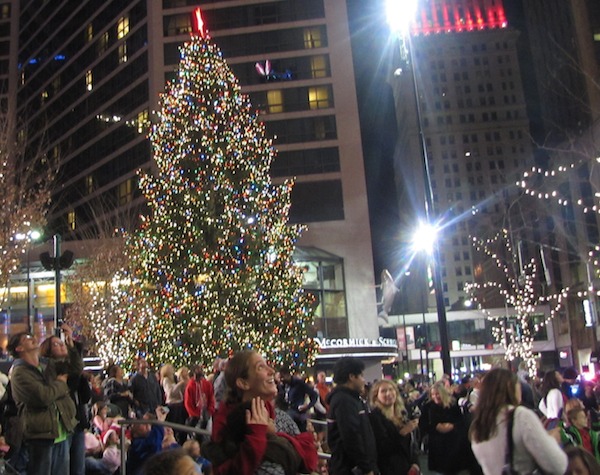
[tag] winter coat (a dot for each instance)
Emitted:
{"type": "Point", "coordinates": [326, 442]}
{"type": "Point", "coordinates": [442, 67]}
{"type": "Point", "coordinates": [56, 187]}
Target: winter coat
{"type": "Point", "coordinates": [349, 433]}
{"type": "Point", "coordinates": [41, 401]}
{"type": "Point", "coordinates": [395, 454]}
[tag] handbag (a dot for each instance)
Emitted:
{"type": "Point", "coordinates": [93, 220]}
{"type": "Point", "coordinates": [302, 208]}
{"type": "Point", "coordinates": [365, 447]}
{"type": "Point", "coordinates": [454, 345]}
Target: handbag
{"type": "Point", "coordinates": [508, 469]}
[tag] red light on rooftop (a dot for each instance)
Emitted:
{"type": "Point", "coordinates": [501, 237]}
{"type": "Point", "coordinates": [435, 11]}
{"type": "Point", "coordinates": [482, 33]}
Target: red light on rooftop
{"type": "Point", "coordinates": [437, 16]}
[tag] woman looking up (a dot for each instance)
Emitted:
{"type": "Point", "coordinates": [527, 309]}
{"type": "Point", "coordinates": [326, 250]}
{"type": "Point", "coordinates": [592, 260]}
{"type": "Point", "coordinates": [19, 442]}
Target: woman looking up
{"type": "Point", "coordinates": [244, 438]}
{"type": "Point", "coordinates": [500, 394]}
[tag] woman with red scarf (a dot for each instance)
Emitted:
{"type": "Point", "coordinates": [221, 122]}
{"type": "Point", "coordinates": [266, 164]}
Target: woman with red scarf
{"type": "Point", "coordinates": [246, 435]}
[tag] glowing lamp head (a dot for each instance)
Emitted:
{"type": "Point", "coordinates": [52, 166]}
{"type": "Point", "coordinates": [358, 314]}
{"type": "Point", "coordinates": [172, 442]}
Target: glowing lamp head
{"type": "Point", "coordinates": [400, 14]}
{"type": "Point", "coordinates": [424, 238]}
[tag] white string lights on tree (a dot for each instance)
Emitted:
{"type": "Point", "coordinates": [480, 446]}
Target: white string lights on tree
{"type": "Point", "coordinates": [552, 179]}
{"type": "Point", "coordinates": [514, 332]}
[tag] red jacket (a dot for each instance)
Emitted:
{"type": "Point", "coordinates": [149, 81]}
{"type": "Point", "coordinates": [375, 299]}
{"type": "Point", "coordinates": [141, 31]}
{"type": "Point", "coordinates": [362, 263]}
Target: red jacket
{"type": "Point", "coordinates": [199, 395]}
{"type": "Point", "coordinates": [252, 449]}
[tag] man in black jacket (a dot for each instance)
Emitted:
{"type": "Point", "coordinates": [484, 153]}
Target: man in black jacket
{"type": "Point", "coordinates": [349, 433]}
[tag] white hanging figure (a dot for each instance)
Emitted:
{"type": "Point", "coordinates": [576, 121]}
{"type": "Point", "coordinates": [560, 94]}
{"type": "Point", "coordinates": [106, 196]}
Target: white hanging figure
{"type": "Point", "coordinates": [388, 294]}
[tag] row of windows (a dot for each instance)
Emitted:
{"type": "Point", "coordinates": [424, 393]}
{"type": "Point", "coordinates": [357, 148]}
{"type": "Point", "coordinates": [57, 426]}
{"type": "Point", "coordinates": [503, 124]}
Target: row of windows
{"type": "Point", "coordinates": [470, 118]}
{"type": "Point", "coordinates": [276, 101]}
{"type": "Point", "coordinates": [306, 162]}
{"type": "Point", "coordinates": [427, 52]}
{"type": "Point", "coordinates": [69, 55]}
{"type": "Point", "coordinates": [292, 39]}
{"type": "Point", "coordinates": [261, 14]}
{"type": "Point", "coordinates": [302, 130]}
{"type": "Point", "coordinates": [74, 107]}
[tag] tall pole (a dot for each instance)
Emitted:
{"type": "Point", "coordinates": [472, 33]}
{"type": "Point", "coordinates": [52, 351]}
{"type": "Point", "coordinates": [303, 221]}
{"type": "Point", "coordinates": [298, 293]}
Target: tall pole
{"type": "Point", "coordinates": [57, 306]}
{"type": "Point", "coordinates": [429, 212]}
{"type": "Point", "coordinates": [29, 316]}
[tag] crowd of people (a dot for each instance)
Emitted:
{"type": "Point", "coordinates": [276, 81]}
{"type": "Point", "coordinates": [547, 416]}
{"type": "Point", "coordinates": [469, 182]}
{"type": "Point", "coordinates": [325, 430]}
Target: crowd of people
{"type": "Point", "coordinates": [244, 417]}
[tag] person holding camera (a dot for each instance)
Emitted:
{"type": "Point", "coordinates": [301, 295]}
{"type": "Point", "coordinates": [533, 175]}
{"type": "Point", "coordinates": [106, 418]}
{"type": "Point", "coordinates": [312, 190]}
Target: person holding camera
{"type": "Point", "coordinates": [47, 410]}
{"type": "Point", "coordinates": [65, 356]}
{"type": "Point", "coordinates": [394, 430]}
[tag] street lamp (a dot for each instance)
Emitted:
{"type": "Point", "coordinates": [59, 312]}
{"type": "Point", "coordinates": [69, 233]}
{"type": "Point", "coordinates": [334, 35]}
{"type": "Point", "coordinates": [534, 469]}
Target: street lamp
{"type": "Point", "coordinates": [400, 14]}
{"type": "Point", "coordinates": [57, 263]}
{"type": "Point", "coordinates": [31, 237]}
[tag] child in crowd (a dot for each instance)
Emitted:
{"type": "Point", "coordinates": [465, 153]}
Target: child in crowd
{"type": "Point", "coordinates": [101, 422]}
{"type": "Point", "coordinates": [111, 457]}
{"type": "Point", "coordinates": [192, 447]}
{"type": "Point", "coordinates": [579, 434]}
{"type": "Point", "coordinates": [146, 440]}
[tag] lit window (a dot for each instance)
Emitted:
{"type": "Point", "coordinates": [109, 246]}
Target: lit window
{"type": "Point", "coordinates": [5, 12]}
{"type": "Point", "coordinates": [126, 192]}
{"type": "Point", "coordinates": [123, 53]}
{"type": "Point", "coordinates": [312, 38]}
{"type": "Point", "coordinates": [318, 98]}
{"type": "Point", "coordinates": [72, 219]}
{"type": "Point", "coordinates": [89, 80]}
{"type": "Point", "coordinates": [89, 33]}
{"type": "Point", "coordinates": [44, 96]}
{"type": "Point", "coordinates": [122, 27]}
{"type": "Point", "coordinates": [142, 121]}
{"type": "Point", "coordinates": [318, 67]}
{"type": "Point", "coordinates": [89, 184]}
{"type": "Point", "coordinates": [275, 101]}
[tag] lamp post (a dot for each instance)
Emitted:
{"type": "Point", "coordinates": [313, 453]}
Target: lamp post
{"type": "Point", "coordinates": [57, 263]}
{"type": "Point", "coordinates": [400, 13]}
{"type": "Point", "coordinates": [31, 236]}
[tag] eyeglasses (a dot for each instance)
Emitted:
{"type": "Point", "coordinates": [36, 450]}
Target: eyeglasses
{"type": "Point", "coordinates": [58, 343]}
{"type": "Point", "coordinates": [26, 337]}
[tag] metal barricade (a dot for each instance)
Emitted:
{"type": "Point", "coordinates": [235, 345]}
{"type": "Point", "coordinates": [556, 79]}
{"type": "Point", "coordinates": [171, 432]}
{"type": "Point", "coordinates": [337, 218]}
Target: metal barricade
{"type": "Point", "coordinates": [178, 427]}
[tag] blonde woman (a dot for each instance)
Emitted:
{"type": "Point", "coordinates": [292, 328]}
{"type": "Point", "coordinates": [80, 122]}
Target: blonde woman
{"type": "Point", "coordinates": [173, 388]}
{"type": "Point", "coordinates": [442, 422]}
{"type": "Point", "coordinates": [393, 430]}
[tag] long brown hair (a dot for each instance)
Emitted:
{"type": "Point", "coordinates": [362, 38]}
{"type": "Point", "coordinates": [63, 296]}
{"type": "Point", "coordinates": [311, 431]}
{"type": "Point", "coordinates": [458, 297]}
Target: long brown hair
{"type": "Point", "coordinates": [238, 367]}
{"type": "Point", "coordinates": [46, 346]}
{"type": "Point", "coordinates": [497, 390]}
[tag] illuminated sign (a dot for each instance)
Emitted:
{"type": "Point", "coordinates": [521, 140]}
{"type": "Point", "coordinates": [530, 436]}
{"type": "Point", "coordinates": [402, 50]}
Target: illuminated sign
{"type": "Point", "coordinates": [356, 342]}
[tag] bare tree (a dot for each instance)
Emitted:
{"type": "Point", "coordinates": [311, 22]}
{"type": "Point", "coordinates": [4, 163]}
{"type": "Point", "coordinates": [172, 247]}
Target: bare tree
{"type": "Point", "coordinates": [26, 180]}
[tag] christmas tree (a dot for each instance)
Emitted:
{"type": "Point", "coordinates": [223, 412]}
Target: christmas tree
{"type": "Point", "coordinates": [214, 255]}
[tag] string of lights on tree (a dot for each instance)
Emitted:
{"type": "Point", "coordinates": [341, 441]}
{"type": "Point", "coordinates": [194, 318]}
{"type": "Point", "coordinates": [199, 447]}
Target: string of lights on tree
{"type": "Point", "coordinates": [520, 291]}
{"type": "Point", "coordinates": [545, 185]}
{"type": "Point", "coordinates": [213, 257]}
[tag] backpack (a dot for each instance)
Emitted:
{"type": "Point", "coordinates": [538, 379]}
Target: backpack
{"type": "Point", "coordinates": [10, 420]}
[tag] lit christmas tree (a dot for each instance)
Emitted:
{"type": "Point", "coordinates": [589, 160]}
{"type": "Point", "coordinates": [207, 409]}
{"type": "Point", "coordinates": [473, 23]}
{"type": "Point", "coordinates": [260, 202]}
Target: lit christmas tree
{"type": "Point", "coordinates": [215, 252]}
{"type": "Point", "coordinates": [521, 294]}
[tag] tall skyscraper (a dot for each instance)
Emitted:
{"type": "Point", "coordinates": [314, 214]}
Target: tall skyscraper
{"type": "Point", "coordinates": [89, 78]}
{"type": "Point", "coordinates": [472, 114]}
{"type": "Point", "coordinates": [561, 49]}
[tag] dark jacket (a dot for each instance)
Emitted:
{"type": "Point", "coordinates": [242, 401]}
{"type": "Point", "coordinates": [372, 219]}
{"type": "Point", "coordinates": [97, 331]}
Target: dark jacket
{"type": "Point", "coordinates": [146, 392]}
{"type": "Point", "coordinates": [41, 400]}
{"type": "Point", "coordinates": [395, 454]}
{"type": "Point", "coordinates": [447, 451]}
{"type": "Point", "coordinates": [349, 433]}
{"type": "Point", "coordinates": [80, 389]}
